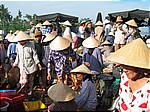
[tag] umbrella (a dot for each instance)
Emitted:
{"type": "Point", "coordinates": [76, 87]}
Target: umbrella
{"type": "Point", "coordinates": [137, 14]}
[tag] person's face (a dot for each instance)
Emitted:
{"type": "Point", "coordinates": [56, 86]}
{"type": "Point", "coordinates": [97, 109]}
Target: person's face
{"type": "Point", "coordinates": [131, 72]}
{"type": "Point", "coordinates": [111, 36]}
{"type": "Point", "coordinates": [23, 42]}
{"type": "Point", "coordinates": [79, 76]}
{"type": "Point", "coordinates": [119, 22]}
{"type": "Point", "coordinates": [38, 38]}
{"type": "Point", "coordinates": [90, 25]}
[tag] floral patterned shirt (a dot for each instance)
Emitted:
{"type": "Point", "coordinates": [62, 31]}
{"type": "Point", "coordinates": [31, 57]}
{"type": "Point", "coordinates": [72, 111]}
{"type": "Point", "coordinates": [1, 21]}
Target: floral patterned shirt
{"type": "Point", "coordinates": [60, 61]}
{"type": "Point", "coordinates": [138, 101]}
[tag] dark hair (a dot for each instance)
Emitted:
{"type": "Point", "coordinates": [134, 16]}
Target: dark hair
{"type": "Point", "coordinates": [87, 76]}
{"type": "Point", "coordinates": [140, 74]}
{"type": "Point", "coordinates": [90, 51]}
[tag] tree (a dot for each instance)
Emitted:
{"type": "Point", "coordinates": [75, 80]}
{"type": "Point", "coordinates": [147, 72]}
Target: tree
{"type": "Point", "coordinates": [5, 17]}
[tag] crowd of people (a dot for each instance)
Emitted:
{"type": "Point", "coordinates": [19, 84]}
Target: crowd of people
{"type": "Point", "coordinates": [48, 53]}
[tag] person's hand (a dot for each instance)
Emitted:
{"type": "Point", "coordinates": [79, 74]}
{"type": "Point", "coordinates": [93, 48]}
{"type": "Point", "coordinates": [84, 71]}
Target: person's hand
{"type": "Point", "coordinates": [75, 88]}
{"type": "Point", "coordinates": [40, 67]}
{"type": "Point", "coordinates": [116, 65]}
{"type": "Point", "coordinates": [87, 63]}
{"type": "Point", "coordinates": [49, 77]}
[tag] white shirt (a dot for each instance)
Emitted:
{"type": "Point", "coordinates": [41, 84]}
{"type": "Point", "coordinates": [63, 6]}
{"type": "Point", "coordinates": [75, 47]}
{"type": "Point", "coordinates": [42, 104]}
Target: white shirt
{"type": "Point", "coordinates": [148, 42]}
{"type": "Point", "coordinates": [81, 32]}
{"type": "Point", "coordinates": [119, 36]}
{"type": "Point", "coordinates": [27, 58]}
{"type": "Point", "coordinates": [67, 32]}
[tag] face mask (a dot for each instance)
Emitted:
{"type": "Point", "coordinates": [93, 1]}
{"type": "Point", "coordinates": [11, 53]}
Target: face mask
{"type": "Point", "coordinates": [74, 64]}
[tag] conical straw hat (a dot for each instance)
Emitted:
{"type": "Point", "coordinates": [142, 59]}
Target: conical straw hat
{"type": "Point", "coordinates": [131, 23]}
{"type": "Point", "coordinates": [68, 37]}
{"type": "Point", "coordinates": [16, 32]}
{"type": "Point", "coordinates": [67, 23]}
{"type": "Point", "coordinates": [46, 23]}
{"type": "Point", "coordinates": [59, 43]}
{"type": "Point", "coordinates": [49, 37]}
{"type": "Point", "coordinates": [82, 22]}
{"type": "Point", "coordinates": [106, 21]}
{"type": "Point", "coordinates": [90, 42]}
{"type": "Point", "coordinates": [61, 92]}
{"type": "Point", "coordinates": [8, 35]}
{"type": "Point", "coordinates": [111, 33]}
{"type": "Point", "coordinates": [98, 23]}
{"type": "Point", "coordinates": [39, 25]}
{"type": "Point", "coordinates": [135, 54]}
{"type": "Point", "coordinates": [119, 19]}
{"type": "Point", "coordinates": [106, 43]}
{"type": "Point", "coordinates": [21, 36]}
{"type": "Point", "coordinates": [81, 69]}
{"type": "Point", "coordinates": [12, 38]}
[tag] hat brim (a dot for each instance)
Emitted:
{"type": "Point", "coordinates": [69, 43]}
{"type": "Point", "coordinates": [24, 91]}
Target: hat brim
{"type": "Point", "coordinates": [135, 54]}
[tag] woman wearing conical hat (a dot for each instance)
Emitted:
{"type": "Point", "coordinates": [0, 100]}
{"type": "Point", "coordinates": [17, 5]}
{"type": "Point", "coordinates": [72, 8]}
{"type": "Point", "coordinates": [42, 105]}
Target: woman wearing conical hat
{"type": "Point", "coordinates": [99, 31]}
{"type": "Point", "coordinates": [27, 60]}
{"type": "Point", "coordinates": [46, 27]}
{"type": "Point", "coordinates": [11, 51]}
{"type": "Point", "coordinates": [106, 49]}
{"type": "Point", "coordinates": [119, 29]}
{"type": "Point", "coordinates": [74, 57]}
{"type": "Point", "coordinates": [45, 55]}
{"type": "Point", "coordinates": [63, 98]}
{"type": "Point", "coordinates": [132, 32]}
{"type": "Point", "coordinates": [92, 55]}
{"type": "Point", "coordinates": [134, 90]}
{"type": "Point", "coordinates": [59, 58]}
{"type": "Point", "coordinates": [67, 30]}
{"type": "Point", "coordinates": [86, 98]}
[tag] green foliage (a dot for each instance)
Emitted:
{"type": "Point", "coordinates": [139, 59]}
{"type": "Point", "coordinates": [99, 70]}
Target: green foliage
{"type": "Point", "coordinates": [20, 22]}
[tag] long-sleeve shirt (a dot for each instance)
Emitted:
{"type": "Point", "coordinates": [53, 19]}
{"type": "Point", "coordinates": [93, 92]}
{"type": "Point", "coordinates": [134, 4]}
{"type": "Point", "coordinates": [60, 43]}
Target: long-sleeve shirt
{"type": "Point", "coordinates": [131, 35]}
{"type": "Point", "coordinates": [119, 34]}
{"type": "Point", "coordinates": [59, 60]}
{"type": "Point", "coordinates": [11, 49]}
{"type": "Point", "coordinates": [45, 54]}
{"type": "Point", "coordinates": [27, 58]}
{"type": "Point", "coordinates": [81, 31]}
{"type": "Point", "coordinates": [107, 29]}
{"type": "Point", "coordinates": [95, 60]}
{"type": "Point", "coordinates": [87, 97]}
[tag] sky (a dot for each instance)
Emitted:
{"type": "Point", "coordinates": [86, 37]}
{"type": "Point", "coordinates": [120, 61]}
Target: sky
{"type": "Point", "coordinates": [79, 8]}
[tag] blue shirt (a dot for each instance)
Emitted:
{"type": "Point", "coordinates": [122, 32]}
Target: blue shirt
{"type": "Point", "coordinates": [45, 54]}
{"type": "Point", "coordinates": [87, 97]}
{"type": "Point", "coordinates": [95, 60]}
{"type": "Point", "coordinates": [11, 49]}
{"type": "Point", "coordinates": [109, 39]}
